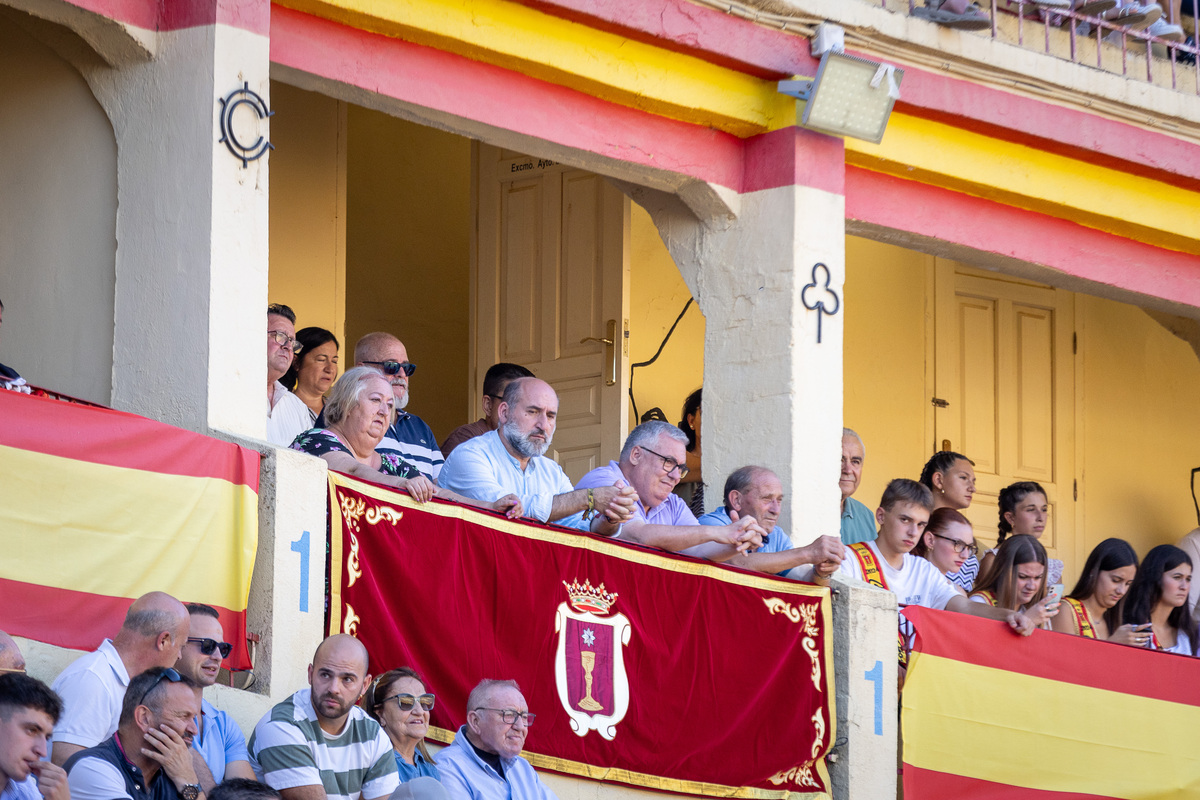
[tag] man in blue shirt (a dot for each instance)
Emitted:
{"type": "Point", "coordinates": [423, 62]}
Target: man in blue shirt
{"type": "Point", "coordinates": [757, 492]}
{"type": "Point", "coordinates": [858, 521]}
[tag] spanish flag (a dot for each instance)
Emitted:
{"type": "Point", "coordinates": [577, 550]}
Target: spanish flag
{"type": "Point", "coordinates": [989, 714]}
{"type": "Point", "coordinates": [98, 507]}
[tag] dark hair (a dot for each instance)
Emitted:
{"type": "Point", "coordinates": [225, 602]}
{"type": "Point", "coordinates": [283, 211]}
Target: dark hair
{"type": "Point", "coordinates": [18, 690]}
{"type": "Point", "coordinates": [1000, 577]}
{"type": "Point", "coordinates": [1108, 555]}
{"type": "Point", "coordinates": [1010, 498]}
{"type": "Point", "coordinates": [309, 339]}
{"type": "Point", "coordinates": [740, 480]}
{"type": "Point", "coordinates": [146, 690]}
{"type": "Point", "coordinates": [903, 490]}
{"type": "Point", "coordinates": [690, 406]}
{"type": "Point", "coordinates": [242, 789]}
{"type": "Point", "coordinates": [1146, 591]}
{"type": "Point", "coordinates": [381, 688]}
{"type": "Point", "coordinates": [201, 610]}
{"type": "Point", "coordinates": [279, 309]}
{"type": "Point", "coordinates": [940, 520]}
{"type": "Point", "coordinates": [500, 375]}
{"type": "Point", "coordinates": [940, 463]}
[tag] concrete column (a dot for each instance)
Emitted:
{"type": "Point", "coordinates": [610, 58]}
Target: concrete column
{"type": "Point", "coordinates": [772, 393]}
{"type": "Point", "coordinates": [191, 264]}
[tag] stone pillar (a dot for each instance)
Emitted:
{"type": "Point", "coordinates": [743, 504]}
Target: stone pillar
{"type": "Point", "coordinates": [191, 265]}
{"type": "Point", "coordinates": [772, 393]}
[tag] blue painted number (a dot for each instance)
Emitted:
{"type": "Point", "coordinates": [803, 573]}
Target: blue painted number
{"type": "Point", "coordinates": [301, 546]}
{"type": "Point", "coordinates": [875, 675]}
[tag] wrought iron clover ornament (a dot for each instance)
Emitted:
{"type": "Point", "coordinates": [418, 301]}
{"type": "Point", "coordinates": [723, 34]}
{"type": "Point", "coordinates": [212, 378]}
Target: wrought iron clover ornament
{"type": "Point", "coordinates": [229, 104]}
{"type": "Point", "coordinates": [821, 290]}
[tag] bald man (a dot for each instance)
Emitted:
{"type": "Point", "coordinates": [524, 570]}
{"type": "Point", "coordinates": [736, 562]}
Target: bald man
{"type": "Point", "coordinates": [11, 659]}
{"type": "Point", "coordinates": [318, 744]}
{"type": "Point", "coordinates": [93, 686]}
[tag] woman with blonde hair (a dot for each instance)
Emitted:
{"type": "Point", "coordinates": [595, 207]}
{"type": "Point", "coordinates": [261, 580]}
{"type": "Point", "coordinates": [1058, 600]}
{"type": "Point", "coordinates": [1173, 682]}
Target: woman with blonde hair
{"type": "Point", "coordinates": [399, 702]}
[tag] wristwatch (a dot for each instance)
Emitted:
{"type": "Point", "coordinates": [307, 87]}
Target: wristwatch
{"type": "Point", "coordinates": [190, 791]}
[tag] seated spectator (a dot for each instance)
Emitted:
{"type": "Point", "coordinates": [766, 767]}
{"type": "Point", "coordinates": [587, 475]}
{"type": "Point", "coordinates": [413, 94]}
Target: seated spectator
{"type": "Point", "coordinates": [951, 479]}
{"type": "Point", "coordinates": [1095, 605]}
{"type": "Point", "coordinates": [398, 701]}
{"type": "Point", "coordinates": [286, 414]}
{"type": "Point", "coordinates": [313, 370]}
{"type": "Point", "coordinates": [691, 486]}
{"type": "Point", "coordinates": [219, 740]}
{"type": "Point", "coordinates": [1024, 510]}
{"type": "Point", "coordinates": [858, 523]}
{"type": "Point", "coordinates": [9, 379]}
{"type": "Point", "coordinates": [757, 492]}
{"type": "Point", "coordinates": [512, 460]}
{"type": "Point", "coordinates": [1190, 544]}
{"type": "Point", "coordinates": [93, 686]}
{"type": "Point", "coordinates": [318, 743]}
{"type": "Point", "coordinates": [357, 416]}
{"type": "Point", "coordinates": [11, 659]}
{"type": "Point", "coordinates": [484, 761]}
{"type": "Point", "coordinates": [242, 789]}
{"type": "Point", "coordinates": [948, 541]}
{"type": "Point", "coordinates": [28, 711]}
{"type": "Point", "coordinates": [494, 383]}
{"type": "Point", "coordinates": [1016, 579]}
{"type": "Point", "coordinates": [148, 757]}
{"type": "Point", "coordinates": [652, 462]}
{"type": "Point", "coordinates": [1159, 596]}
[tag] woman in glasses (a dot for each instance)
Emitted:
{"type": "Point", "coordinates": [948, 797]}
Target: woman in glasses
{"type": "Point", "coordinates": [1016, 579]}
{"type": "Point", "coordinates": [1159, 596]}
{"type": "Point", "coordinates": [951, 478]}
{"type": "Point", "coordinates": [399, 702]}
{"type": "Point", "coordinates": [948, 541]}
{"type": "Point", "coordinates": [1094, 607]}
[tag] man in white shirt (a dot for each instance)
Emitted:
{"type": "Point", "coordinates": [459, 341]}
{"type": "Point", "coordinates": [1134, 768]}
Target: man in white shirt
{"type": "Point", "coordinates": [287, 416]}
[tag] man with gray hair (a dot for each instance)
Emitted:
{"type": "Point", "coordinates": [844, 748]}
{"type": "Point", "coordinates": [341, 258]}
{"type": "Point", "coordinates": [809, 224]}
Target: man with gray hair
{"type": "Point", "coordinates": [93, 686]}
{"type": "Point", "coordinates": [757, 492]}
{"type": "Point", "coordinates": [653, 461]}
{"type": "Point", "coordinates": [858, 523]}
{"type": "Point", "coordinates": [512, 460]}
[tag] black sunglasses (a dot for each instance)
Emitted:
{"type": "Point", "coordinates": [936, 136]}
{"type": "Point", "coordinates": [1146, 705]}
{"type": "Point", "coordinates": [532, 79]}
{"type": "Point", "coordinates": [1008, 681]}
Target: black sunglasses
{"type": "Point", "coordinates": [208, 645]}
{"type": "Point", "coordinates": [394, 367]}
{"type": "Point", "coordinates": [169, 674]}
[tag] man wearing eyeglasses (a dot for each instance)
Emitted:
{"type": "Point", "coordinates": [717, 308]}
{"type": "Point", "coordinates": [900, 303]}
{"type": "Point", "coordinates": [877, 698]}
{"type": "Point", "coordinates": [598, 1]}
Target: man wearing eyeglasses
{"type": "Point", "coordinates": [287, 416]}
{"type": "Point", "coordinates": [317, 744]}
{"type": "Point", "coordinates": [653, 461]}
{"type": "Point", "coordinates": [484, 761]}
{"type": "Point", "coordinates": [219, 743]}
{"type": "Point", "coordinates": [149, 757]}
{"type": "Point", "coordinates": [93, 686]}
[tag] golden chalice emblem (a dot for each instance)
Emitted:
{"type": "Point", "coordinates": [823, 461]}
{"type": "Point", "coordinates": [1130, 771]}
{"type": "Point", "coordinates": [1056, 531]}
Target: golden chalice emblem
{"type": "Point", "coordinates": [587, 659]}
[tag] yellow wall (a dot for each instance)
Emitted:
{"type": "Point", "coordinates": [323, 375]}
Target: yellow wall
{"type": "Point", "coordinates": [657, 295]}
{"type": "Point", "coordinates": [308, 208]}
{"type": "Point", "coordinates": [408, 254]}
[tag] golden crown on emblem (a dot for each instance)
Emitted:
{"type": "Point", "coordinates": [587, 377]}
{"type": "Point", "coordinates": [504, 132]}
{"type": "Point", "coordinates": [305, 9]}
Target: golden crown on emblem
{"type": "Point", "coordinates": [585, 597]}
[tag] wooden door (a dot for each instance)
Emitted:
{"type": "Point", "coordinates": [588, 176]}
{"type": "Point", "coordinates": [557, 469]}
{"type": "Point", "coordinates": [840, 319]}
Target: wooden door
{"type": "Point", "coordinates": [1004, 367]}
{"type": "Point", "coordinates": [550, 281]}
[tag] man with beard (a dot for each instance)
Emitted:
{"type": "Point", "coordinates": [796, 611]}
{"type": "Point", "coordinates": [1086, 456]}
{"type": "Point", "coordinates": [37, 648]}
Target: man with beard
{"type": "Point", "coordinates": [512, 460]}
{"type": "Point", "coordinates": [150, 756]}
{"type": "Point", "coordinates": [318, 744]}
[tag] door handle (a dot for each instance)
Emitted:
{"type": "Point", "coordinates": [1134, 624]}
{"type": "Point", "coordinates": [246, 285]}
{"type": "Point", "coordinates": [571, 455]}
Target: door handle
{"type": "Point", "coordinates": [610, 350]}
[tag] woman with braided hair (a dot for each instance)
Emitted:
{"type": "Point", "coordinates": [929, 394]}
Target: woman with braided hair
{"type": "Point", "coordinates": [951, 478]}
{"type": "Point", "coordinates": [1024, 509]}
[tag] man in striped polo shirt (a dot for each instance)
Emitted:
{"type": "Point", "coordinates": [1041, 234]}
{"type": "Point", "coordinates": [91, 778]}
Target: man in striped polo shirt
{"type": "Point", "coordinates": [318, 744]}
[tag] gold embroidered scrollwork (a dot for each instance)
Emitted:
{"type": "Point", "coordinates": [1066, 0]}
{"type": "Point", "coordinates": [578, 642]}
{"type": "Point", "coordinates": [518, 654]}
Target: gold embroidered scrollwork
{"type": "Point", "coordinates": [779, 606]}
{"type": "Point", "coordinates": [352, 566]}
{"type": "Point", "coordinates": [818, 720]}
{"type": "Point", "coordinates": [383, 512]}
{"type": "Point", "coordinates": [806, 614]}
{"type": "Point", "coordinates": [350, 622]}
{"type": "Point", "coordinates": [801, 776]}
{"type": "Point", "coordinates": [352, 509]}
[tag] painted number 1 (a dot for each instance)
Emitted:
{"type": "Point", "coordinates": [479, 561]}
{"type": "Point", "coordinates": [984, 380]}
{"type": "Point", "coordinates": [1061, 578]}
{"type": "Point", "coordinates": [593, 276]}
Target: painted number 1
{"type": "Point", "coordinates": [301, 546]}
{"type": "Point", "coordinates": [875, 675]}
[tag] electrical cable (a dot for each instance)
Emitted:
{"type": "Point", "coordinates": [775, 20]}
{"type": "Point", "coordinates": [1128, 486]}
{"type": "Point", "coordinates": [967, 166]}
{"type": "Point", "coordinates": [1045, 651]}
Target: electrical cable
{"type": "Point", "coordinates": [658, 353]}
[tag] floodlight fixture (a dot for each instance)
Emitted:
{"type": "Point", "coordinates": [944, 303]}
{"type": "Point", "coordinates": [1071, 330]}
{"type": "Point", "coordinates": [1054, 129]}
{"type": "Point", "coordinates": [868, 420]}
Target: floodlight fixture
{"type": "Point", "coordinates": [850, 96]}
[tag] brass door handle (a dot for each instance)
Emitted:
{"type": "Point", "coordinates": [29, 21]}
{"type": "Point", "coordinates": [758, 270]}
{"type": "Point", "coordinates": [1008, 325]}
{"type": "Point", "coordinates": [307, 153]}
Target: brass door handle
{"type": "Point", "coordinates": [609, 343]}
{"type": "Point", "coordinates": [596, 339]}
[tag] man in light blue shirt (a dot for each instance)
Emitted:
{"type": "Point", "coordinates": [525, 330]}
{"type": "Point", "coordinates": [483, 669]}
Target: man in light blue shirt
{"type": "Point", "coordinates": [512, 460]}
{"type": "Point", "coordinates": [757, 492]}
{"type": "Point", "coordinates": [484, 761]}
{"type": "Point", "coordinates": [858, 521]}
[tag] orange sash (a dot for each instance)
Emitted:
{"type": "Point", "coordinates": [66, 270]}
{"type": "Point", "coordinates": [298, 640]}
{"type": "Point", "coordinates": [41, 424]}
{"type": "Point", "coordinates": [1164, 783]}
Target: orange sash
{"type": "Point", "coordinates": [1082, 618]}
{"type": "Point", "coordinates": [874, 576]}
{"type": "Point", "coordinates": [986, 595]}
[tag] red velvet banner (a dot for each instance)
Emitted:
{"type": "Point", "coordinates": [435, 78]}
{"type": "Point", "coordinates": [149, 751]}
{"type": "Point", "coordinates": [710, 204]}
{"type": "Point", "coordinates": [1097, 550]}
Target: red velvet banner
{"type": "Point", "coordinates": [644, 668]}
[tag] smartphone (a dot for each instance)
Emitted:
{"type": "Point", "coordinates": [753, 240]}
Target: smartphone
{"type": "Point", "coordinates": [1055, 594]}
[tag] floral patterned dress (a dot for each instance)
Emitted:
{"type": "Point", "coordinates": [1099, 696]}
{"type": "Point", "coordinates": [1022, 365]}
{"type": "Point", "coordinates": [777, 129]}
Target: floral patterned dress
{"type": "Point", "coordinates": [319, 441]}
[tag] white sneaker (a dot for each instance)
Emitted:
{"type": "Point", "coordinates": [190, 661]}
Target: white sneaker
{"type": "Point", "coordinates": [1165, 30]}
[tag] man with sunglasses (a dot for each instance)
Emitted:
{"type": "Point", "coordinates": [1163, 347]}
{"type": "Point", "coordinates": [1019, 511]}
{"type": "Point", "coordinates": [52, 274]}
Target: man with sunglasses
{"type": "Point", "coordinates": [653, 461]}
{"type": "Point", "coordinates": [287, 416]}
{"type": "Point", "coordinates": [484, 761]}
{"type": "Point", "coordinates": [150, 755]}
{"type": "Point", "coordinates": [219, 742]}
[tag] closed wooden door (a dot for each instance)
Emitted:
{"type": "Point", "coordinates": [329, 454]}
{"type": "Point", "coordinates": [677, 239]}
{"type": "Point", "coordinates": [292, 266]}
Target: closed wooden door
{"type": "Point", "coordinates": [551, 282]}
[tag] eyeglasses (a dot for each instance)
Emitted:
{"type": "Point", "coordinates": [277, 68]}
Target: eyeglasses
{"type": "Point", "coordinates": [407, 701]}
{"type": "Point", "coordinates": [670, 464]}
{"type": "Point", "coordinates": [169, 674]}
{"type": "Point", "coordinates": [394, 367]}
{"type": "Point", "coordinates": [957, 545]}
{"type": "Point", "coordinates": [283, 340]}
{"type": "Point", "coordinates": [510, 715]}
{"type": "Point", "coordinates": [208, 645]}
{"type": "Point", "coordinates": [20, 670]}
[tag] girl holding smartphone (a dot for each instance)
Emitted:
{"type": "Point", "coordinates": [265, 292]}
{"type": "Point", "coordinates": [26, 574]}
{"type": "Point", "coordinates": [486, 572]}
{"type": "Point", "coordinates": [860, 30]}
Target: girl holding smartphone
{"type": "Point", "coordinates": [1015, 578]}
{"type": "Point", "coordinates": [1159, 596]}
{"type": "Point", "coordinates": [1095, 605]}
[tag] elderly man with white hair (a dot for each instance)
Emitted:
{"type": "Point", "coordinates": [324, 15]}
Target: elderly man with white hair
{"type": "Point", "coordinates": [858, 521]}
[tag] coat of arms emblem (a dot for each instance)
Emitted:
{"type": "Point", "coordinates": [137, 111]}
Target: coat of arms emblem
{"type": "Point", "coordinates": [589, 664]}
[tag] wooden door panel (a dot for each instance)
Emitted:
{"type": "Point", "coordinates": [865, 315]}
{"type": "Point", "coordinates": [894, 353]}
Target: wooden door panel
{"type": "Point", "coordinates": [977, 382]}
{"type": "Point", "coordinates": [1034, 329]}
{"type": "Point", "coordinates": [520, 268]}
{"type": "Point", "coordinates": [580, 302]}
